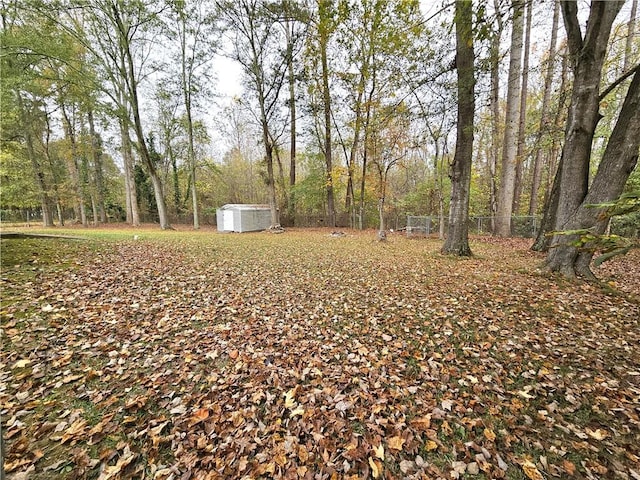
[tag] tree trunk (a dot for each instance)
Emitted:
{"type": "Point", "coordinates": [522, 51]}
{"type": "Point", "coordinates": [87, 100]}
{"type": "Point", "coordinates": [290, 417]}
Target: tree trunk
{"type": "Point", "coordinates": [457, 241]}
{"type": "Point", "coordinates": [510, 145]}
{"type": "Point", "coordinates": [131, 197]}
{"type": "Point", "coordinates": [96, 152]}
{"type": "Point", "coordinates": [45, 201]}
{"type": "Point", "coordinates": [292, 118]}
{"type": "Point", "coordinates": [588, 56]}
{"type": "Point", "coordinates": [186, 93]}
{"type": "Point", "coordinates": [74, 167]}
{"type": "Point", "coordinates": [132, 87]}
{"type": "Point", "coordinates": [544, 115]}
{"type": "Point", "coordinates": [618, 161]}
{"type": "Point", "coordinates": [522, 123]}
{"type": "Point", "coordinates": [628, 46]}
{"type": "Point", "coordinates": [382, 234]}
{"type": "Point", "coordinates": [328, 147]}
{"type": "Point", "coordinates": [494, 101]}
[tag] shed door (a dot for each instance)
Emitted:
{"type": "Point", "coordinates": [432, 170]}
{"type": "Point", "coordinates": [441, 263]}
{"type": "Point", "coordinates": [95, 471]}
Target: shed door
{"type": "Point", "coordinates": [227, 221]}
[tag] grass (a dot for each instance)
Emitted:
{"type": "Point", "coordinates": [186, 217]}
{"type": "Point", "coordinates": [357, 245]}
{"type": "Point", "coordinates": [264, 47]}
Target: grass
{"type": "Point", "coordinates": [172, 325]}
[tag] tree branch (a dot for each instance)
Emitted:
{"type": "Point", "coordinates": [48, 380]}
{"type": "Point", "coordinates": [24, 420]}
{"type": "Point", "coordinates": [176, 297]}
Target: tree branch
{"type": "Point", "coordinates": [574, 35]}
{"type": "Point", "coordinates": [618, 81]}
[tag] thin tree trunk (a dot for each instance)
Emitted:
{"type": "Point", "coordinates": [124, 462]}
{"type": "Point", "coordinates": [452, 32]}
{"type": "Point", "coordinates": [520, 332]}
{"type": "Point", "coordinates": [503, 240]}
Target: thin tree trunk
{"type": "Point", "coordinates": [190, 146]}
{"type": "Point", "coordinates": [552, 188]}
{"type": "Point", "coordinates": [510, 145]}
{"type": "Point", "coordinates": [96, 152]}
{"type": "Point", "coordinates": [177, 198]}
{"type": "Point", "coordinates": [457, 241]}
{"type": "Point", "coordinates": [74, 168]}
{"type": "Point", "coordinates": [328, 147]}
{"type": "Point", "coordinates": [522, 123]}
{"type": "Point", "coordinates": [94, 209]}
{"type": "Point", "coordinates": [494, 101]}
{"type": "Point", "coordinates": [45, 202]}
{"type": "Point", "coordinates": [544, 115]}
{"type": "Point", "coordinates": [292, 119]}
{"type": "Point", "coordinates": [133, 212]}
{"type": "Point", "coordinates": [132, 87]}
{"type": "Point", "coordinates": [631, 30]}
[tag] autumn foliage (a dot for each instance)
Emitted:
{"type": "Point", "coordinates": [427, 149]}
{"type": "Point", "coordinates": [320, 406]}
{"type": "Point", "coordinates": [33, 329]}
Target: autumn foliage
{"type": "Point", "coordinates": [200, 355]}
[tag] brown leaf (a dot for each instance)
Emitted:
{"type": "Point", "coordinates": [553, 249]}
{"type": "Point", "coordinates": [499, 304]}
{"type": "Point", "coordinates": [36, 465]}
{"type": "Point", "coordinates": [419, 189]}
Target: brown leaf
{"type": "Point", "coordinates": [568, 467]}
{"type": "Point", "coordinates": [199, 416]}
{"type": "Point", "coordinates": [379, 451]}
{"type": "Point", "coordinates": [531, 471]}
{"type": "Point", "coordinates": [489, 435]}
{"type": "Point", "coordinates": [395, 443]}
{"type": "Point", "coordinates": [376, 467]}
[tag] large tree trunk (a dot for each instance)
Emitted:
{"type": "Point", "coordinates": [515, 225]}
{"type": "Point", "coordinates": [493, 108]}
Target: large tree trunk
{"type": "Point", "coordinates": [588, 56]}
{"type": "Point", "coordinates": [457, 241]}
{"type": "Point", "coordinates": [510, 145]}
{"type": "Point", "coordinates": [618, 161]}
{"type": "Point", "coordinates": [544, 116]}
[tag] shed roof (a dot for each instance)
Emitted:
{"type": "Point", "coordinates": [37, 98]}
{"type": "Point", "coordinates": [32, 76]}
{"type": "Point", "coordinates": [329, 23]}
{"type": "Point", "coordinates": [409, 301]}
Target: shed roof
{"type": "Point", "coordinates": [244, 206]}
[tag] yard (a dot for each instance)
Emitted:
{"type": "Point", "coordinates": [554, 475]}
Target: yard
{"type": "Point", "coordinates": [193, 355]}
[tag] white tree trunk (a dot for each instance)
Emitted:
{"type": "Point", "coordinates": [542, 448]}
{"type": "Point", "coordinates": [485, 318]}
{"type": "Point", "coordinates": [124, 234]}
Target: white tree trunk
{"type": "Point", "coordinates": [510, 145]}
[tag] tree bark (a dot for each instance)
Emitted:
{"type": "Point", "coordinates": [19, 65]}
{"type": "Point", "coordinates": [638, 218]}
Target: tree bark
{"type": "Point", "coordinates": [74, 167]}
{"type": "Point", "coordinates": [132, 90]}
{"type": "Point", "coordinates": [328, 147]}
{"type": "Point", "coordinates": [587, 56]}
{"type": "Point", "coordinates": [506, 192]}
{"type": "Point", "coordinates": [494, 101]}
{"type": "Point", "coordinates": [96, 152]}
{"type": "Point", "coordinates": [522, 122]}
{"type": "Point", "coordinates": [131, 197]}
{"type": "Point", "coordinates": [292, 118]}
{"type": "Point", "coordinates": [186, 95]}
{"type": "Point", "coordinates": [45, 201]}
{"type": "Point", "coordinates": [628, 46]}
{"type": "Point", "coordinates": [618, 161]}
{"type": "Point", "coordinates": [457, 241]}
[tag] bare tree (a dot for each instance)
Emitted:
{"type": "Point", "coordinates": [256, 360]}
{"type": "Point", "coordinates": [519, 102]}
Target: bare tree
{"type": "Point", "coordinates": [256, 40]}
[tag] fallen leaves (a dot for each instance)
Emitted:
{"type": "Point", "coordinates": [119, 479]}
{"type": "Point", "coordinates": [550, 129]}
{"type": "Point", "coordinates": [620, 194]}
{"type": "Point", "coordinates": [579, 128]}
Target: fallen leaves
{"type": "Point", "coordinates": [165, 360]}
{"type": "Point", "coordinates": [531, 471]}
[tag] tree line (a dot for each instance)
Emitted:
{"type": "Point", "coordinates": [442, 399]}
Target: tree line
{"type": "Point", "coordinates": [351, 109]}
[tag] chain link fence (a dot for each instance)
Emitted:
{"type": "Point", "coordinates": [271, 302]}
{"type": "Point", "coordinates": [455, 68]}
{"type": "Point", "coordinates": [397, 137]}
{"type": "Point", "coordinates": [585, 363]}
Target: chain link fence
{"type": "Point", "coordinates": [521, 226]}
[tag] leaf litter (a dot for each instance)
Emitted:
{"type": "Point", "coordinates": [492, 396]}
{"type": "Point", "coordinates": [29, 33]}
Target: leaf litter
{"type": "Point", "coordinates": [255, 356]}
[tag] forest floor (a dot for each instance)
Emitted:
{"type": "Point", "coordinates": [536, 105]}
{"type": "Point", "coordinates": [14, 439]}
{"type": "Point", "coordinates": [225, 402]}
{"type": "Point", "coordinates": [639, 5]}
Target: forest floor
{"type": "Point", "coordinates": [193, 355]}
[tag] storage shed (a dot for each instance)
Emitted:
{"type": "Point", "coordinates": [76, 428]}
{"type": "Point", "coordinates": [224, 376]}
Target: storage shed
{"type": "Point", "coordinates": [236, 217]}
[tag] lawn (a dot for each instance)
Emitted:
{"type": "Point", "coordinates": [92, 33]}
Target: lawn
{"type": "Point", "coordinates": [182, 355]}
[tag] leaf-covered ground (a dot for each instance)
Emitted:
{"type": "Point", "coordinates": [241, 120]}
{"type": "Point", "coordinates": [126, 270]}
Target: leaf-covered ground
{"type": "Point", "coordinates": [186, 355]}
